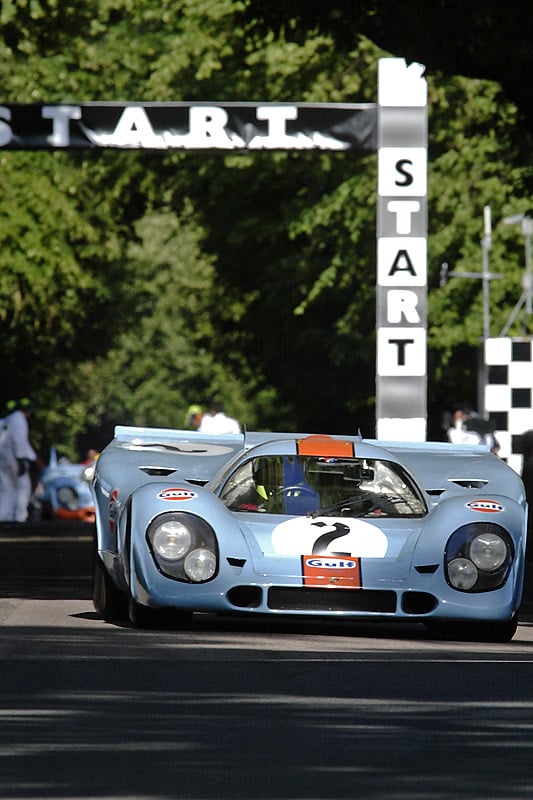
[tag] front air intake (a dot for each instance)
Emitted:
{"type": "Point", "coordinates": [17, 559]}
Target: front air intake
{"type": "Point", "coordinates": [317, 599]}
{"type": "Point", "coordinates": [418, 603]}
{"type": "Point", "coordinates": [245, 596]}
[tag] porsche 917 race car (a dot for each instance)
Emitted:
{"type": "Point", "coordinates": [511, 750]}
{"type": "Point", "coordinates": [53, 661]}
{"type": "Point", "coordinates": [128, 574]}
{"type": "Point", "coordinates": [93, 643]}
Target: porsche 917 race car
{"type": "Point", "coordinates": [309, 526]}
{"type": "Point", "coordinates": [64, 492]}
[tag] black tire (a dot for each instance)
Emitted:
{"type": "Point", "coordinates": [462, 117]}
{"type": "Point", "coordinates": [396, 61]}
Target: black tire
{"type": "Point", "coordinates": [158, 618]}
{"type": "Point", "coordinates": [495, 632]}
{"type": "Point", "coordinates": [108, 600]}
{"type": "Point", "coordinates": [501, 632]}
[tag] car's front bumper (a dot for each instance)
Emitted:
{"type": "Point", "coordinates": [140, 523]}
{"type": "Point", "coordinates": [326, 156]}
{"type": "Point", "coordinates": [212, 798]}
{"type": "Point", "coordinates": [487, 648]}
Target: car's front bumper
{"type": "Point", "coordinates": [237, 588]}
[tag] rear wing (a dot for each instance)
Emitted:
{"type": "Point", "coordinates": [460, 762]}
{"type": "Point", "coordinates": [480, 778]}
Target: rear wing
{"type": "Point", "coordinates": [440, 467]}
{"type": "Point", "coordinates": [444, 469]}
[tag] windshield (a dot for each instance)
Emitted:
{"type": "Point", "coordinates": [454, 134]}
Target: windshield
{"type": "Point", "coordinates": [298, 485]}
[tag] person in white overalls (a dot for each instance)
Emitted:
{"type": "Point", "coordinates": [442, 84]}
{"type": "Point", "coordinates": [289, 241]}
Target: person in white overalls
{"type": "Point", "coordinates": [16, 455]}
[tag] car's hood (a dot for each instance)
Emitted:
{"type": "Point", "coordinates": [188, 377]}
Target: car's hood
{"type": "Point", "coordinates": [275, 536]}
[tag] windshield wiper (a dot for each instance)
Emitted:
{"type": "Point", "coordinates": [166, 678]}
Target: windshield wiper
{"type": "Point", "coordinates": [353, 503]}
{"type": "Point", "coordinates": [370, 501]}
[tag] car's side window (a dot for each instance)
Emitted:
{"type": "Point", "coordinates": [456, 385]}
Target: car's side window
{"type": "Point", "coordinates": [239, 490]}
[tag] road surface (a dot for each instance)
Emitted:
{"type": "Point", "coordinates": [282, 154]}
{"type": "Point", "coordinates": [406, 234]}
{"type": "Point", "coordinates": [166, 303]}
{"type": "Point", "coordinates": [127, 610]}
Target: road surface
{"type": "Point", "coordinates": [238, 710]}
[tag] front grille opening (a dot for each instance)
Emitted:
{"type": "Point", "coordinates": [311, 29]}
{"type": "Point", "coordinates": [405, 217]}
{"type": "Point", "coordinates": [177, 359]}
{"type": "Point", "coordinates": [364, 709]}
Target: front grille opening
{"type": "Point", "coordinates": [317, 599]}
{"type": "Point", "coordinates": [245, 596]}
{"type": "Point", "coordinates": [418, 603]}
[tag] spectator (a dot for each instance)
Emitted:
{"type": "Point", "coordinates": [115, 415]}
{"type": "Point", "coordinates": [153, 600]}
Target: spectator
{"type": "Point", "coordinates": [193, 418]}
{"type": "Point", "coordinates": [16, 457]}
{"type": "Point", "coordinates": [468, 427]}
{"type": "Point", "coordinates": [216, 421]}
{"type": "Point", "coordinates": [90, 458]}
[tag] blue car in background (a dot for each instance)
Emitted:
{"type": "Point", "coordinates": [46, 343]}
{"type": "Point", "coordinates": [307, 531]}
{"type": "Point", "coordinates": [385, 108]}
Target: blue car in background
{"type": "Point", "coordinates": [64, 491]}
{"type": "Point", "coordinates": [310, 526]}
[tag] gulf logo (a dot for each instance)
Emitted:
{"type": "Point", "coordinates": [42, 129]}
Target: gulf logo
{"type": "Point", "coordinates": [176, 493]}
{"type": "Point", "coordinates": [486, 506]}
{"type": "Point", "coordinates": [330, 563]}
{"type": "Point", "coordinates": [331, 571]}
{"type": "Point", "coordinates": [113, 511]}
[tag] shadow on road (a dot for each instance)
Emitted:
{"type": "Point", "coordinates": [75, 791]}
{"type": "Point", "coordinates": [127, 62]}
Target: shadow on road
{"type": "Point", "coordinates": [46, 560]}
{"type": "Point", "coordinates": [215, 714]}
{"type": "Point", "coordinates": [122, 713]}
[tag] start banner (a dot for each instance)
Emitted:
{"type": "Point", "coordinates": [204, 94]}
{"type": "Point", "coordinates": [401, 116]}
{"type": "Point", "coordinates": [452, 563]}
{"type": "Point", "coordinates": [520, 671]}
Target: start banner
{"type": "Point", "coordinates": [189, 126]}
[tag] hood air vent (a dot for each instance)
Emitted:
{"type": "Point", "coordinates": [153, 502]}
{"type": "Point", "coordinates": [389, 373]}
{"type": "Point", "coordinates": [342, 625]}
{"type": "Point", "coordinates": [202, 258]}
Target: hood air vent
{"type": "Point", "coordinates": [158, 472]}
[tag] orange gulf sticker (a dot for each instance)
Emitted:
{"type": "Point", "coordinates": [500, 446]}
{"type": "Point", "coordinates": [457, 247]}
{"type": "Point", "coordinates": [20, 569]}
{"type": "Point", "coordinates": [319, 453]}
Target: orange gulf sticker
{"type": "Point", "coordinates": [486, 506]}
{"type": "Point", "coordinates": [176, 493]}
{"type": "Point", "coordinates": [318, 445]}
{"type": "Point", "coordinates": [341, 572]}
{"type": "Point", "coordinates": [113, 511]}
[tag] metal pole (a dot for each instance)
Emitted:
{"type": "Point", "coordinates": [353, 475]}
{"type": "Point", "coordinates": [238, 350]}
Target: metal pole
{"type": "Point", "coordinates": [527, 229]}
{"type": "Point", "coordinates": [486, 277]}
{"type": "Point", "coordinates": [486, 244]}
{"type": "Point", "coordinates": [526, 224]}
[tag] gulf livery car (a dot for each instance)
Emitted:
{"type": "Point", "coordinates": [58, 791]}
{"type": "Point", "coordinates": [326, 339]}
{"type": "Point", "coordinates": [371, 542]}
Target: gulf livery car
{"type": "Point", "coordinates": [308, 525]}
{"type": "Point", "coordinates": [64, 492]}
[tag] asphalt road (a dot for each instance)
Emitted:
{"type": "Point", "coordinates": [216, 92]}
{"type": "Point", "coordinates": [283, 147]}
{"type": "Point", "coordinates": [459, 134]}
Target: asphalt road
{"type": "Point", "coordinates": [238, 710]}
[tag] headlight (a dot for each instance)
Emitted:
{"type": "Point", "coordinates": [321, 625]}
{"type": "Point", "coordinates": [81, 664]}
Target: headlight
{"type": "Point", "coordinates": [488, 551]}
{"type": "Point", "coordinates": [88, 473]}
{"type": "Point", "coordinates": [171, 540]}
{"type": "Point", "coordinates": [183, 546]}
{"type": "Point", "coordinates": [67, 497]}
{"type": "Point", "coordinates": [462, 574]}
{"type": "Point", "coordinates": [200, 565]}
{"type": "Point", "coordinates": [478, 557]}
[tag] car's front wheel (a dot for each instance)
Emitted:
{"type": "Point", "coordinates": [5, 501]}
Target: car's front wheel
{"type": "Point", "coordinates": [474, 631]}
{"type": "Point", "coordinates": [108, 600]}
{"type": "Point", "coordinates": [158, 618]}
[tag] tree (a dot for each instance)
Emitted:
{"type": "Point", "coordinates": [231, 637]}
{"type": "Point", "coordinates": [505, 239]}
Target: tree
{"type": "Point", "coordinates": [101, 247]}
{"type": "Point", "coordinates": [169, 358]}
{"type": "Point", "coordinates": [45, 294]}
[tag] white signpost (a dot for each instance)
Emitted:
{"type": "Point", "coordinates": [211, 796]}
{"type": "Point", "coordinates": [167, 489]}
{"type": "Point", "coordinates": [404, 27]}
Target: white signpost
{"type": "Point", "coordinates": [401, 371]}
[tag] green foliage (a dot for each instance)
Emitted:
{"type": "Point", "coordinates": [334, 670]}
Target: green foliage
{"type": "Point", "coordinates": [43, 287]}
{"type": "Point", "coordinates": [133, 284]}
{"type": "Point", "coordinates": [167, 358]}
{"type": "Point", "coordinates": [478, 157]}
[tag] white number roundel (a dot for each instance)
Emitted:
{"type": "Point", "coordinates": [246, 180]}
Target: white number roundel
{"type": "Point", "coordinates": [322, 535]}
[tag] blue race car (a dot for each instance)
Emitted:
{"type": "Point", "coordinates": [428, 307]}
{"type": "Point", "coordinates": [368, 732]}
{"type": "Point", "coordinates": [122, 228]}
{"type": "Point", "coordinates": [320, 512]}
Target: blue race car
{"type": "Point", "coordinates": [310, 526]}
{"type": "Point", "coordinates": [64, 491]}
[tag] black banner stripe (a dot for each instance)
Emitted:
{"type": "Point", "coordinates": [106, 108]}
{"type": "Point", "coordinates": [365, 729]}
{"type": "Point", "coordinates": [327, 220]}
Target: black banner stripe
{"type": "Point", "coordinates": [189, 126]}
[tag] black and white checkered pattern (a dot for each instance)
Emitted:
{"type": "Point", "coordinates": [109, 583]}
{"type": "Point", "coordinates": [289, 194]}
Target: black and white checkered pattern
{"type": "Point", "coordinates": [509, 393]}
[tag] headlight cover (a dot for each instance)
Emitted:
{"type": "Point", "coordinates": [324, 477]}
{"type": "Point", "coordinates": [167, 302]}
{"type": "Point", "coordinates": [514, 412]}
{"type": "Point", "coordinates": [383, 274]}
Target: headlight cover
{"type": "Point", "coordinates": [488, 551]}
{"type": "Point", "coordinates": [171, 540]}
{"type": "Point", "coordinates": [478, 557]}
{"type": "Point", "coordinates": [183, 546]}
{"type": "Point", "coordinates": [200, 565]}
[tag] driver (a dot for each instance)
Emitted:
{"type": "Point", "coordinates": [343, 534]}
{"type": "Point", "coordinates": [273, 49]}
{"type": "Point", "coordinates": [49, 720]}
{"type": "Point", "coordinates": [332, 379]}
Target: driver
{"type": "Point", "coordinates": [282, 485]}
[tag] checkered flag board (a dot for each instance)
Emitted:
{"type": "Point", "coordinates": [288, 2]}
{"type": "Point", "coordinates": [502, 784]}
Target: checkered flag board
{"type": "Point", "coordinates": [509, 393]}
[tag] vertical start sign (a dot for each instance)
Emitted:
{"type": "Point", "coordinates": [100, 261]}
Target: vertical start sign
{"type": "Point", "coordinates": [401, 290]}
